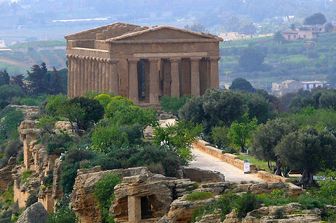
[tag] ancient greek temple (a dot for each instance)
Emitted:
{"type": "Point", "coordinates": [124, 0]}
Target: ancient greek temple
{"type": "Point", "coordinates": [142, 63]}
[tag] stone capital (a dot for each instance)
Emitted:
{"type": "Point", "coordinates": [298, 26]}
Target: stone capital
{"type": "Point", "coordinates": [195, 59]}
{"type": "Point", "coordinates": [153, 60]}
{"type": "Point", "coordinates": [215, 59]}
{"type": "Point", "coordinates": [175, 60]}
{"type": "Point", "coordinates": [132, 60]}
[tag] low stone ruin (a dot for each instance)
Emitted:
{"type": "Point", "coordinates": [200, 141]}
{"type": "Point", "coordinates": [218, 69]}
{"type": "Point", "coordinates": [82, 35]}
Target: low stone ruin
{"type": "Point", "coordinates": [146, 197]}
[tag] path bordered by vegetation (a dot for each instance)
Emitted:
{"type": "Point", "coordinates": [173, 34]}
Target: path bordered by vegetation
{"type": "Point", "coordinates": [231, 173]}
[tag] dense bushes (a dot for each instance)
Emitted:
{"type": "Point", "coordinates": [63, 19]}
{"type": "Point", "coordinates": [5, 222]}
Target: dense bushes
{"type": "Point", "coordinates": [173, 104]}
{"type": "Point", "coordinates": [226, 203]}
{"type": "Point", "coordinates": [104, 193]}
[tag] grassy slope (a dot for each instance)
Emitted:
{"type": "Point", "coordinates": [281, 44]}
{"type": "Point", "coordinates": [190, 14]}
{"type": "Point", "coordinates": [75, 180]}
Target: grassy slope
{"type": "Point", "coordinates": [292, 60]}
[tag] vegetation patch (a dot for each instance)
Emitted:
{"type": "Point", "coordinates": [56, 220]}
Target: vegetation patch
{"type": "Point", "coordinates": [104, 193]}
{"type": "Point", "coordinates": [197, 195]}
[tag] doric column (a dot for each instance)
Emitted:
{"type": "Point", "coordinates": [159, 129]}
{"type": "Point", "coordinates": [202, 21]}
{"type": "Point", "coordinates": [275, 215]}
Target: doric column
{"type": "Point", "coordinates": [88, 62]}
{"type": "Point", "coordinates": [195, 76]}
{"type": "Point", "coordinates": [154, 79]}
{"type": "Point", "coordinates": [69, 75]}
{"type": "Point", "coordinates": [214, 75]}
{"type": "Point", "coordinates": [81, 78]}
{"type": "Point", "coordinates": [93, 75]}
{"type": "Point", "coordinates": [96, 74]}
{"type": "Point", "coordinates": [134, 209]}
{"type": "Point", "coordinates": [100, 75]}
{"type": "Point", "coordinates": [115, 77]}
{"type": "Point", "coordinates": [75, 77]}
{"type": "Point", "coordinates": [175, 77]}
{"type": "Point", "coordinates": [133, 92]}
{"type": "Point", "coordinates": [86, 75]}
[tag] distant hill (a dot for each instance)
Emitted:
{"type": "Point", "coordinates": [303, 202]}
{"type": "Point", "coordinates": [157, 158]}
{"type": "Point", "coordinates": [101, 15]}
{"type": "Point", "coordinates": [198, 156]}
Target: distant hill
{"type": "Point", "coordinates": [295, 60]}
{"type": "Point", "coordinates": [36, 18]}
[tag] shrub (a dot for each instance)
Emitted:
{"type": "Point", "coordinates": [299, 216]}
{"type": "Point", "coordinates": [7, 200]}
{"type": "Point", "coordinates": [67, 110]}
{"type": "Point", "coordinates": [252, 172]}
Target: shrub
{"type": "Point", "coordinates": [32, 199]}
{"type": "Point", "coordinates": [70, 166]}
{"type": "Point", "coordinates": [63, 215]}
{"type": "Point", "coordinates": [104, 193]}
{"type": "Point", "coordinates": [25, 176]}
{"type": "Point", "coordinates": [57, 143]}
{"type": "Point", "coordinates": [198, 195]}
{"type": "Point", "coordinates": [106, 139]}
{"type": "Point", "coordinates": [246, 203]}
{"type": "Point", "coordinates": [219, 136]}
{"type": "Point", "coordinates": [224, 205]}
{"type": "Point", "coordinates": [173, 104]}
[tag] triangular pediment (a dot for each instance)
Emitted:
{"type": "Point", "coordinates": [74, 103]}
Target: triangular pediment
{"type": "Point", "coordinates": [164, 33]}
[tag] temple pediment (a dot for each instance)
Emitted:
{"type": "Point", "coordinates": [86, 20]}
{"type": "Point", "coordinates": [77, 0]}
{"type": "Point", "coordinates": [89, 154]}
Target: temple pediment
{"type": "Point", "coordinates": [162, 33]}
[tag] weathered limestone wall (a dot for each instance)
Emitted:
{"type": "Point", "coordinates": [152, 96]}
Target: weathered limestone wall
{"type": "Point", "coordinates": [40, 165]}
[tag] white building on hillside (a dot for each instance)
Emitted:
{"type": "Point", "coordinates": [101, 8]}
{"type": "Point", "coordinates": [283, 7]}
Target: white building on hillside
{"type": "Point", "coordinates": [292, 86]}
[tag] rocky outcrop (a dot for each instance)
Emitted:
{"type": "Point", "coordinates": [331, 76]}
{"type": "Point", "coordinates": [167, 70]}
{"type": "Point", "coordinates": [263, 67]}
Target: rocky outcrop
{"type": "Point", "coordinates": [141, 196]}
{"type": "Point", "coordinates": [29, 112]}
{"type": "Point", "coordinates": [83, 200]}
{"type": "Point", "coordinates": [259, 188]}
{"type": "Point", "coordinates": [181, 210]}
{"type": "Point", "coordinates": [290, 213]}
{"type": "Point", "coordinates": [34, 214]}
{"type": "Point", "coordinates": [39, 164]}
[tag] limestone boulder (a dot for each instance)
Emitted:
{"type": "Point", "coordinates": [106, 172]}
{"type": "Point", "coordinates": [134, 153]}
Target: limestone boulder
{"type": "Point", "coordinates": [290, 213]}
{"type": "Point", "coordinates": [34, 214]}
{"type": "Point", "coordinates": [181, 210]}
{"type": "Point", "coordinates": [202, 176]}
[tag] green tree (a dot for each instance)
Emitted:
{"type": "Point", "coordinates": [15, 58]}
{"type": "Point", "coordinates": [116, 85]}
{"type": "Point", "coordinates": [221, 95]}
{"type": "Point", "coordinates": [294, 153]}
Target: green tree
{"type": "Point", "coordinates": [252, 59]}
{"type": "Point", "coordinates": [104, 193]}
{"type": "Point", "coordinates": [37, 77]}
{"type": "Point", "coordinates": [173, 104]}
{"type": "Point", "coordinates": [219, 136]}
{"type": "Point", "coordinates": [278, 37]}
{"type": "Point", "coordinates": [106, 139]}
{"type": "Point", "coordinates": [315, 19]}
{"type": "Point", "coordinates": [307, 150]}
{"type": "Point", "coordinates": [178, 138]}
{"type": "Point", "coordinates": [4, 78]}
{"type": "Point", "coordinates": [266, 138]}
{"type": "Point", "coordinates": [329, 27]}
{"type": "Point", "coordinates": [240, 132]}
{"type": "Point", "coordinates": [83, 111]}
{"type": "Point", "coordinates": [242, 84]}
{"type": "Point", "coordinates": [10, 119]}
{"type": "Point", "coordinates": [258, 107]}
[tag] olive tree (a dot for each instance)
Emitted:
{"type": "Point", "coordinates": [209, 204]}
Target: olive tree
{"type": "Point", "coordinates": [266, 138]}
{"type": "Point", "coordinates": [308, 151]}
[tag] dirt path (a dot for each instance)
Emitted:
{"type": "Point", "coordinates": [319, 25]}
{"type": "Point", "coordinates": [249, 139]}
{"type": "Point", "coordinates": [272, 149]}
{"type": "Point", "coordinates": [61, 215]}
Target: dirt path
{"type": "Point", "coordinates": [231, 173]}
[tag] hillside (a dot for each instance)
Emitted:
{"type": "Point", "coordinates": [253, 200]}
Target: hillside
{"type": "Point", "coordinates": [291, 60]}
{"type": "Point", "coordinates": [23, 55]}
{"type": "Point", "coordinates": [37, 19]}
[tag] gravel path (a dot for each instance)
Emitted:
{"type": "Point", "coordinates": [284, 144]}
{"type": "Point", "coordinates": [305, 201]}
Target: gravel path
{"type": "Point", "coordinates": [233, 174]}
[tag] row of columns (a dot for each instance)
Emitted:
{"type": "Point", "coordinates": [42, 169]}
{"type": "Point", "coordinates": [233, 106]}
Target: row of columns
{"type": "Point", "coordinates": [91, 74]}
{"type": "Point", "coordinates": [154, 81]}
